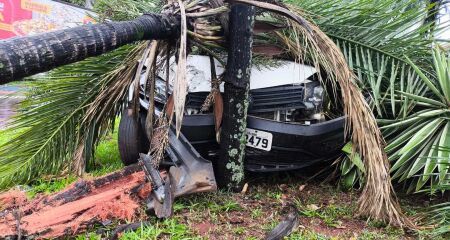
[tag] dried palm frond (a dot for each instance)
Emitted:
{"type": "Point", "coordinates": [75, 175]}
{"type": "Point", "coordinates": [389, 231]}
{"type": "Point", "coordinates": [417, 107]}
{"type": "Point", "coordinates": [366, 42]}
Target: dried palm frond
{"type": "Point", "coordinates": [101, 113]}
{"type": "Point", "coordinates": [137, 78]}
{"type": "Point", "coordinates": [375, 38]}
{"type": "Point", "coordinates": [378, 198]}
{"type": "Point", "coordinates": [150, 84]}
{"type": "Point", "coordinates": [214, 99]}
{"type": "Point", "coordinates": [96, 99]}
{"type": "Point", "coordinates": [160, 140]}
{"type": "Point", "coordinates": [180, 84]}
{"type": "Point", "coordinates": [306, 41]}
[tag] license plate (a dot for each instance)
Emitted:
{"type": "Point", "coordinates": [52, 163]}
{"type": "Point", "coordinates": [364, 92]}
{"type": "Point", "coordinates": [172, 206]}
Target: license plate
{"type": "Point", "coordinates": [259, 139]}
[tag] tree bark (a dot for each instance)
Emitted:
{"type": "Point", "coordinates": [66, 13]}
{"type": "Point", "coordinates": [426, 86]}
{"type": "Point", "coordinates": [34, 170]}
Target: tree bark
{"type": "Point", "coordinates": [230, 168]}
{"type": "Point", "coordinates": [24, 56]}
{"type": "Point", "coordinates": [117, 196]}
{"type": "Point", "coordinates": [433, 14]}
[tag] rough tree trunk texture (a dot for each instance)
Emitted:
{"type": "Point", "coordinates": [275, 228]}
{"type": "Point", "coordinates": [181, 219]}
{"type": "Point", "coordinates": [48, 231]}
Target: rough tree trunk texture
{"type": "Point", "coordinates": [24, 56]}
{"type": "Point", "coordinates": [230, 167]}
{"type": "Point", "coordinates": [118, 196]}
{"type": "Point", "coordinates": [433, 13]}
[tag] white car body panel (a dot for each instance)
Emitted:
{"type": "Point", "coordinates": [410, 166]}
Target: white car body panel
{"type": "Point", "coordinates": [199, 74]}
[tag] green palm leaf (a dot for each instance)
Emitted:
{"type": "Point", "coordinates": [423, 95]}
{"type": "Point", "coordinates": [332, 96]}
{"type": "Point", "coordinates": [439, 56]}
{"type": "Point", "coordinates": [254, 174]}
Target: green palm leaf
{"type": "Point", "coordinates": [54, 132]}
{"type": "Point", "coordinates": [422, 135]}
{"type": "Point", "coordinates": [444, 156]}
{"type": "Point", "coordinates": [419, 146]}
{"type": "Point", "coordinates": [423, 99]}
{"type": "Point", "coordinates": [430, 164]}
{"type": "Point", "coordinates": [376, 38]}
{"type": "Point", "coordinates": [50, 119]}
{"type": "Point", "coordinates": [385, 43]}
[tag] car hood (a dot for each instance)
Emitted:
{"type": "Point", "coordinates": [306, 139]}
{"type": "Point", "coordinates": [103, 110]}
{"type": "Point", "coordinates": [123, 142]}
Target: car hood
{"type": "Point", "coordinates": [284, 73]}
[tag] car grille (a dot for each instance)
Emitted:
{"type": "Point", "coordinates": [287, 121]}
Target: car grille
{"type": "Point", "coordinates": [196, 100]}
{"type": "Point", "coordinates": [276, 98]}
{"type": "Point", "coordinates": [262, 101]}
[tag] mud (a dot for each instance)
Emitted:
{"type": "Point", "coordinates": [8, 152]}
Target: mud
{"type": "Point", "coordinates": [117, 196]}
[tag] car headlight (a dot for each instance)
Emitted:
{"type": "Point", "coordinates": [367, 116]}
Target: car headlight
{"type": "Point", "coordinates": [317, 96]}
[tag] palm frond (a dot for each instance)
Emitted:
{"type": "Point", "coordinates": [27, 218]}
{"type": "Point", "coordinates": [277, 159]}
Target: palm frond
{"type": "Point", "coordinates": [375, 37]}
{"type": "Point", "coordinates": [440, 215]}
{"type": "Point", "coordinates": [378, 199]}
{"type": "Point", "coordinates": [125, 9]}
{"type": "Point", "coordinates": [305, 42]}
{"type": "Point", "coordinates": [50, 118]}
{"type": "Point", "coordinates": [180, 84]}
{"type": "Point", "coordinates": [109, 102]}
{"type": "Point", "coordinates": [413, 142]}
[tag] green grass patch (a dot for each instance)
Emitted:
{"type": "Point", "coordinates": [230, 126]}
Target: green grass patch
{"type": "Point", "coordinates": [50, 186]}
{"type": "Point", "coordinates": [366, 235]}
{"type": "Point", "coordinates": [106, 160]}
{"type": "Point", "coordinates": [330, 214]}
{"type": "Point", "coordinates": [167, 229]}
{"type": "Point", "coordinates": [307, 235]}
{"type": "Point", "coordinates": [219, 202]}
{"type": "Point", "coordinates": [106, 156]}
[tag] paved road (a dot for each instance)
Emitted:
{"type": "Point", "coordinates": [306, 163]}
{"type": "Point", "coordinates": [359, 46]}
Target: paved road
{"type": "Point", "coordinates": [10, 96]}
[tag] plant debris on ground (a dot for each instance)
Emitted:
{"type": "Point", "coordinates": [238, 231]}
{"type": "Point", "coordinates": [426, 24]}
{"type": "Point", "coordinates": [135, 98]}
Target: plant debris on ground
{"type": "Point", "coordinates": [375, 50]}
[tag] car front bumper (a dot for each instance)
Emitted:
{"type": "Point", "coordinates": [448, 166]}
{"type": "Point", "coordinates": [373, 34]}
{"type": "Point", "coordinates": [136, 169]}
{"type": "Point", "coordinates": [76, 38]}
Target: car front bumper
{"type": "Point", "coordinates": [294, 146]}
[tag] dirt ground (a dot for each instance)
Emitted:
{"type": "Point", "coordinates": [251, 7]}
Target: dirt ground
{"type": "Point", "coordinates": [325, 212]}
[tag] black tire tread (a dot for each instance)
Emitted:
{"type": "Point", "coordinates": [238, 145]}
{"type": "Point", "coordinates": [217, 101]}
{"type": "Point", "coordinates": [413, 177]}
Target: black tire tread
{"type": "Point", "coordinates": [131, 138]}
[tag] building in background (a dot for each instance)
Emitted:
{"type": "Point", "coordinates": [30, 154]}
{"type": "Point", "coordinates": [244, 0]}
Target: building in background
{"type": "Point", "coordinates": [27, 17]}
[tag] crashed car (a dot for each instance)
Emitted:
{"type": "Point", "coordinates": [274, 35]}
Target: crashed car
{"type": "Point", "coordinates": [286, 125]}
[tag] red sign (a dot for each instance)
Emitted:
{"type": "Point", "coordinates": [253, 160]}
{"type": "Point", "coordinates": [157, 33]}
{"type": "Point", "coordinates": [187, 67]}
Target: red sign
{"type": "Point", "coordinates": [27, 17]}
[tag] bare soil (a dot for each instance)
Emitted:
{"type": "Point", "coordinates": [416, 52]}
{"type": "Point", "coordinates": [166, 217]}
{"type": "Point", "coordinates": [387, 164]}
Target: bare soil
{"type": "Point", "coordinates": [325, 211]}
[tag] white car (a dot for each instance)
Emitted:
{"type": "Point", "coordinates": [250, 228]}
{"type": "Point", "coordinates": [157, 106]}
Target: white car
{"type": "Point", "coordinates": [286, 127]}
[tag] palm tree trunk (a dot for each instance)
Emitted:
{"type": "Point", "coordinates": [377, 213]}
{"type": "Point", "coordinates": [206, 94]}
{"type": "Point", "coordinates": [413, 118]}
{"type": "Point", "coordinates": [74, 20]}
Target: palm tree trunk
{"type": "Point", "coordinates": [24, 56]}
{"type": "Point", "coordinates": [433, 14]}
{"type": "Point", "coordinates": [230, 167]}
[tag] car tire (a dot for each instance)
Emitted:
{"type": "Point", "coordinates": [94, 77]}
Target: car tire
{"type": "Point", "coordinates": [131, 137]}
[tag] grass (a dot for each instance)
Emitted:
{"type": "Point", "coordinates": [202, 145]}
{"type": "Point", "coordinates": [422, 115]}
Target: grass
{"type": "Point", "coordinates": [106, 160]}
{"type": "Point", "coordinates": [251, 216]}
{"type": "Point", "coordinates": [170, 228]}
{"type": "Point", "coordinates": [106, 157]}
{"type": "Point", "coordinates": [167, 229]}
{"type": "Point", "coordinates": [49, 186]}
{"type": "Point", "coordinates": [325, 212]}
{"type": "Point", "coordinates": [330, 215]}
{"type": "Point", "coordinates": [307, 235]}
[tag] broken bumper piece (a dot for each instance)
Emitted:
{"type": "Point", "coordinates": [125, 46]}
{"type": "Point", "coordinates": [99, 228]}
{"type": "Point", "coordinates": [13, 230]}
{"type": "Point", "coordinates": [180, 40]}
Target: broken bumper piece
{"type": "Point", "coordinates": [191, 173]}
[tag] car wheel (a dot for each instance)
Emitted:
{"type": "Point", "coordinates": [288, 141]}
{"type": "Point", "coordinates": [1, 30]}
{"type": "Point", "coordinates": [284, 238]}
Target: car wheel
{"type": "Point", "coordinates": [132, 138]}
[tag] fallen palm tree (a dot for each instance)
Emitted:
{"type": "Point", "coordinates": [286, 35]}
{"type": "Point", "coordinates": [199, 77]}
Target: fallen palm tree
{"type": "Point", "coordinates": [206, 25]}
{"type": "Point", "coordinates": [117, 196]}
